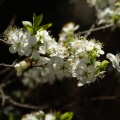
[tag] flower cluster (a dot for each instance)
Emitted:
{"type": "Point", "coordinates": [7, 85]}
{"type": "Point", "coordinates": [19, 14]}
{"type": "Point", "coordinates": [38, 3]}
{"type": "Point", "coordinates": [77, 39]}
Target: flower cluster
{"type": "Point", "coordinates": [71, 56]}
{"type": "Point", "coordinates": [25, 44]}
{"type": "Point", "coordinates": [40, 115]}
{"type": "Point", "coordinates": [108, 11]}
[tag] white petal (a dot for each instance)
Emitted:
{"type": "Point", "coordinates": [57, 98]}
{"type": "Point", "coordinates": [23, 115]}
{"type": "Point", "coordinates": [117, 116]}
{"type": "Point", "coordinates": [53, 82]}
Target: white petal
{"type": "Point", "coordinates": [28, 52]}
{"type": "Point", "coordinates": [33, 40]}
{"type": "Point", "coordinates": [19, 73]}
{"type": "Point", "coordinates": [80, 84]}
{"type": "Point", "coordinates": [35, 54]}
{"type": "Point", "coordinates": [20, 52]}
{"type": "Point", "coordinates": [42, 49]}
{"type": "Point", "coordinates": [110, 56]}
{"type": "Point", "coordinates": [12, 49]}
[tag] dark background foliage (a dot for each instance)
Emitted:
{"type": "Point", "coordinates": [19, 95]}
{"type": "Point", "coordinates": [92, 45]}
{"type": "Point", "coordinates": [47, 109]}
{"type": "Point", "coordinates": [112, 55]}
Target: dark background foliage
{"type": "Point", "coordinates": [97, 101]}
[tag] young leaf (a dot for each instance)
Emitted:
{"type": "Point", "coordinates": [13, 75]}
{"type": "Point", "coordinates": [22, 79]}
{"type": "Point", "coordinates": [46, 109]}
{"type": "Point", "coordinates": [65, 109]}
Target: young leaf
{"type": "Point", "coordinates": [34, 20]}
{"type": "Point", "coordinates": [44, 27]}
{"type": "Point", "coordinates": [27, 23]}
{"type": "Point", "coordinates": [39, 19]}
{"type": "Point", "coordinates": [67, 116]}
{"type": "Point", "coordinates": [11, 117]}
{"type": "Point", "coordinates": [57, 115]}
{"type": "Point", "coordinates": [30, 29]}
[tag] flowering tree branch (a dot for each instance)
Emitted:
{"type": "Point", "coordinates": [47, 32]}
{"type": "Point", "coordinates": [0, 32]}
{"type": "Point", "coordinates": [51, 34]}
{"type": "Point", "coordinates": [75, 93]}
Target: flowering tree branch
{"type": "Point", "coordinates": [47, 59]}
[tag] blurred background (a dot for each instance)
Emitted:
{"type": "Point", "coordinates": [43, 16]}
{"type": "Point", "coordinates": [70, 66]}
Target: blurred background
{"type": "Point", "coordinates": [96, 101]}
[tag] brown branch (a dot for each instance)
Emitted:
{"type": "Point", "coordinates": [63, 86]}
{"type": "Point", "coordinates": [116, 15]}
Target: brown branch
{"type": "Point", "coordinates": [11, 23]}
{"type": "Point", "coordinates": [8, 82]}
{"type": "Point", "coordinates": [9, 65]}
{"type": "Point", "coordinates": [22, 105]}
{"type": "Point", "coordinates": [4, 70]}
{"type": "Point", "coordinates": [89, 31]}
{"type": "Point", "coordinates": [106, 97]}
{"type": "Point", "coordinates": [2, 96]}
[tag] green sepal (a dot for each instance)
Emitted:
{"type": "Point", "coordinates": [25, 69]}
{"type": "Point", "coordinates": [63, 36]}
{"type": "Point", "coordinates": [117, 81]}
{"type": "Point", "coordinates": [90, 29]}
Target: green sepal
{"type": "Point", "coordinates": [93, 56]}
{"type": "Point", "coordinates": [104, 64]}
{"type": "Point", "coordinates": [68, 41]}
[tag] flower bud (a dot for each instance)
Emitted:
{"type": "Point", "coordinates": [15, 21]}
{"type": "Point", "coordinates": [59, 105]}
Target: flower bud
{"type": "Point", "coordinates": [23, 65]}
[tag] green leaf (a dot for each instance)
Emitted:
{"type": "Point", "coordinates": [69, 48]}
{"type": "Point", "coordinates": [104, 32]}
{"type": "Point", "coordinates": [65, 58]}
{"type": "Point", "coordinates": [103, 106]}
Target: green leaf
{"type": "Point", "coordinates": [34, 20]}
{"type": "Point", "coordinates": [67, 116]}
{"type": "Point", "coordinates": [30, 29]}
{"type": "Point", "coordinates": [57, 115]}
{"type": "Point", "coordinates": [117, 4]}
{"type": "Point", "coordinates": [44, 27]}
{"type": "Point", "coordinates": [27, 23]}
{"type": "Point", "coordinates": [115, 18]}
{"type": "Point", "coordinates": [39, 19]}
{"type": "Point", "coordinates": [11, 117]}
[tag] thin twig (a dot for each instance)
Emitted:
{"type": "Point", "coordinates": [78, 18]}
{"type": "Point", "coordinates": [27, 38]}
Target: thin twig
{"type": "Point", "coordinates": [89, 31]}
{"type": "Point", "coordinates": [7, 76]}
{"type": "Point", "coordinates": [6, 65]}
{"type": "Point", "coordinates": [22, 105]}
{"type": "Point", "coordinates": [106, 97]}
{"type": "Point", "coordinates": [4, 42]}
{"type": "Point", "coordinates": [4, 70]}
{"type": "Point", "coordinates": [96, 29]}
{"type": "Point", "coordinates": [2, 96]}
{"type": "Point", "coordinates": [8, 82]}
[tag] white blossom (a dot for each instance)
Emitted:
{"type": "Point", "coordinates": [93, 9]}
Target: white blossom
{"type": "Point", "coordinates": [34, 116]}
{"type": "Point", "coordinates": [49, 116]}
{"type": "Point", "coordinates": [32, 48]}
{"type": "Point", "coordinates": [115, 59]}
{"type": "Point", "coordinates": [105, 15]}
{"type": "Point", "coordinates": [29, 117]}
{"type": "Point", "coordinates": [67, 32]}
{"type": "Point", "coordinates": [18, 40]}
